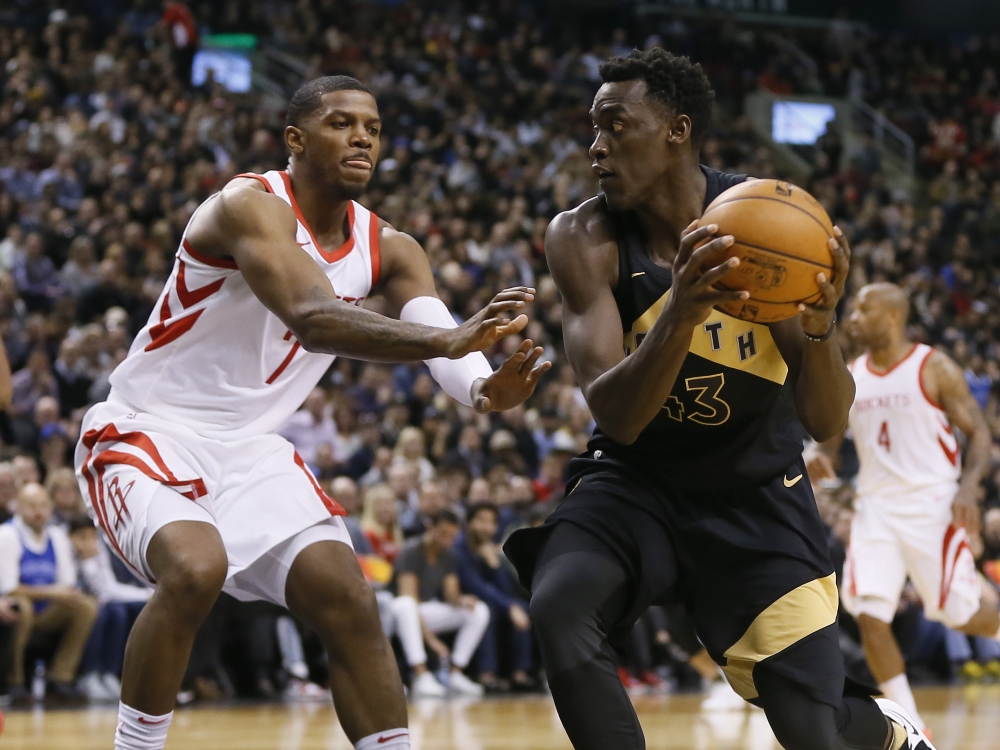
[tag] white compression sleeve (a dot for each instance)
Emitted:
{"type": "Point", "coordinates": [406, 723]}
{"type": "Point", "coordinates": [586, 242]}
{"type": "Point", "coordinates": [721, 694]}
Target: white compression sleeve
{"type": "Point", "coordinates": [455, 376]}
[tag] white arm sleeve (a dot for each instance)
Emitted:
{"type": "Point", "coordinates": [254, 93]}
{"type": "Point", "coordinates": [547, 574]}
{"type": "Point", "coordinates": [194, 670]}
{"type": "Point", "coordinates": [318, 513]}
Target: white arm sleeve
{"type": "Point", "coordinates": [455, 376]}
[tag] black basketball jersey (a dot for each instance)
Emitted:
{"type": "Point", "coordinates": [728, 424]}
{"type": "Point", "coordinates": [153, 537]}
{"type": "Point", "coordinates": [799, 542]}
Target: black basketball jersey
{"type": "Point", "coordinates": [730, 419]}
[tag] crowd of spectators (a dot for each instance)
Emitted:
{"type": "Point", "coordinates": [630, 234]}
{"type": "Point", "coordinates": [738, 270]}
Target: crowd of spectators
{"type": "Point", "coordinates": [106, 149]}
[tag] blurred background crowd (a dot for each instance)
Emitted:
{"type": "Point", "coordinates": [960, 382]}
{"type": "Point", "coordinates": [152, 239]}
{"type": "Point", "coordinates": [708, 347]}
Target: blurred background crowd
{"type": "Point", "coordinates": [106, 148]}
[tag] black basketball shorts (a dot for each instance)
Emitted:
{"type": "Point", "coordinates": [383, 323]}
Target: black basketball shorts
{"type": "Point", "coordinates": [750, 564]}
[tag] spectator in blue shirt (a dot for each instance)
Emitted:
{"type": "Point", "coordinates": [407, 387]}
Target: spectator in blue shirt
{"type": "Point", "coordinates": [484, 572]}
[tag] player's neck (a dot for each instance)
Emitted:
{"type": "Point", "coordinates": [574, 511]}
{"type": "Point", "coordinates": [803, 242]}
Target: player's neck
{"type": "Point", "coordinates": [670, 209]}
{"type": "Point", "coordinates": [325, 214]}
{"type": "Point", "coordinates": [883, 358]}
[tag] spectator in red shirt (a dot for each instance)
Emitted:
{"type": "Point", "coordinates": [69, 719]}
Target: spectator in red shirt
{"type": "Point", "coordinates": [179, 25]}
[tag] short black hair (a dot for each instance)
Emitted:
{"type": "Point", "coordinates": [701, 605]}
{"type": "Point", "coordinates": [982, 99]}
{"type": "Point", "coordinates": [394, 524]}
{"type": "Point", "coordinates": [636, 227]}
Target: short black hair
{"type": "Point", "coordinates": [672, 80]}
{"type": "Point", "coordinates": [79, 523]}
{"type": "Point", "coordinates": [484, 507]}
{"type": "Point", "coordinates": [444, 516]}
{"type": "Point", "coordinates": [309, 96]}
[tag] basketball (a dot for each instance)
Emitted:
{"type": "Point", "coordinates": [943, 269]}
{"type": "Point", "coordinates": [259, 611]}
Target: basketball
{"type": "Point", "coordinates": [781, 235]}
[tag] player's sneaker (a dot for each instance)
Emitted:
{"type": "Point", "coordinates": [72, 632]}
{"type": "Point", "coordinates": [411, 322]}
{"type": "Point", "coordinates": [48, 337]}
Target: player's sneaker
{"type": "Point", "coordinates": [427, 686]}
{"type": "Point", "coordinates": [655, 683]}
{"type": "Point", "coordinates": [462, 685]}
{"type": "Point", "coordinates": [631, 684]}
{"type": "Point", "coordinates": [305, 691]}
{"type": "Point", "coordinates": [113, 685]}
{"type": "Point", "coordinates": [93, 687]}
{"type": "Point", "coordinates": [915, 737]}
{"type": "Point", "coordinates": [722, 697]}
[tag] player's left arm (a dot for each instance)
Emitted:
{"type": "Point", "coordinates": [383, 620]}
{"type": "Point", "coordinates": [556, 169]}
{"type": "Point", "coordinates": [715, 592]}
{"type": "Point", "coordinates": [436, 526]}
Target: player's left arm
{"type": "Point", "coordinates": [944, 382]}
{"type": "Point", "coordinates": [407, 284]}
{"type": "Point", "coordinates": [824, 388]}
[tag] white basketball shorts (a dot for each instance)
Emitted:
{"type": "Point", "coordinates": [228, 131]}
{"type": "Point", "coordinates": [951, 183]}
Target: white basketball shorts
{"type": "Point", "coordinates": [139, 472]}
{"type": "Point", "coordinates": [910, 536]}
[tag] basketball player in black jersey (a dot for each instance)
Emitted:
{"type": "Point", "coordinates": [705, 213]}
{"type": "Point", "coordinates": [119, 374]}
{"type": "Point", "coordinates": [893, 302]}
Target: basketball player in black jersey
{"type": "Point", "coordinates": [693, 485]}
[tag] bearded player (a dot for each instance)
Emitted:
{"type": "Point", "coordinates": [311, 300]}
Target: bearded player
{"type": "Point", "coordinates": [181, 466]}
{"type": "Point", "coordinates": [694, 483]}
{"type": "Point", "coordinates": [917, 504]}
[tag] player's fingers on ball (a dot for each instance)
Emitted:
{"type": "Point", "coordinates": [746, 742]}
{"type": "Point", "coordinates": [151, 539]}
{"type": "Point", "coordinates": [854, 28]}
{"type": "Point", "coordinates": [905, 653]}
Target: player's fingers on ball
{"type": "Point", "coordinates": [690, 228]}
{"type": "Point", "coordinates": [729, 296]}
{"type": "Point", "coordinates": [712, 249]}
{"type": "Point", "coordinates": [714, 274]}
{"type": "Point", "coordinates": [842, 239]}
{"type": "Point", "coordinates": [691, 240]}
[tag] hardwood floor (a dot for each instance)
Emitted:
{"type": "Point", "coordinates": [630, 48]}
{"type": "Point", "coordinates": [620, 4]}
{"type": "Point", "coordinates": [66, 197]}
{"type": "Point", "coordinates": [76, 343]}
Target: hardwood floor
{"type": "Point", "coordinates": [962, 718]}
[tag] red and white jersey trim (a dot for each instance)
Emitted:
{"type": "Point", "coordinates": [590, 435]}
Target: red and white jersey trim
{"type": "Point", "coordinates": [903, 438]}
{"type": "Point", "coordinates": [212, 357]}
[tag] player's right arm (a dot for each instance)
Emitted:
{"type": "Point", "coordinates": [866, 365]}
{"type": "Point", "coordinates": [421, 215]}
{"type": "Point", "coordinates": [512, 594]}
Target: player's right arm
{"type": "Point", "coordinates": [626, 393]}
{"type": "Point", "coordinates": [257, 230]}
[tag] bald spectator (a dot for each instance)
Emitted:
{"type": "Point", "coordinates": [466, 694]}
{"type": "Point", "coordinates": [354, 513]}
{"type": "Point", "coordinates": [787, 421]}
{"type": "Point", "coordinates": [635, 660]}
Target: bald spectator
{"type": "Point", "coordinates": [37, 569]}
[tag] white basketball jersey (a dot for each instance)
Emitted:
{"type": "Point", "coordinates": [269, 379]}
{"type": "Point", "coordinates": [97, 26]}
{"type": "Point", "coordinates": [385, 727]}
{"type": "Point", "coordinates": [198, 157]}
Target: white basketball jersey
{"type": "Point", "coordinates": [214, 358]}
{"type": "Point", "coordinates": [903, 439]}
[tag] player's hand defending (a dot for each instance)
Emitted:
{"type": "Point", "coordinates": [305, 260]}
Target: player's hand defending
{"type": "Point", "coordinates": [818, 318]}
{"type": "Point", "coordinates": [513, 383]}
{"type": "Point", "coordinates": [490, 324]}
{"type": "Point", "coordinates": [965, 510]}
{"type": "Point", "coordinates": [698, 265]}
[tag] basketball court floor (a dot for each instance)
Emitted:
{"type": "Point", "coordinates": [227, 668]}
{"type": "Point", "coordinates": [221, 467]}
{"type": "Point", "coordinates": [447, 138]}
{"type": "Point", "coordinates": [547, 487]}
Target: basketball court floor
{"type": "Point", "coordinates": [962, 718]}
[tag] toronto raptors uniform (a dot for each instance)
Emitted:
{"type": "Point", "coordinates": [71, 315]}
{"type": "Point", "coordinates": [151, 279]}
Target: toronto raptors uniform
{"type": "Point", "coordinates": [910, 466]}
{"type": "Point", "coordinates": [187, 432]}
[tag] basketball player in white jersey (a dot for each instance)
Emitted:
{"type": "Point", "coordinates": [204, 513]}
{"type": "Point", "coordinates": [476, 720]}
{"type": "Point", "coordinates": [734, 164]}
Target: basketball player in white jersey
{"type": "Point", "coordinates": [181, 467]}
{"type": "Point", "coordinates": [916, 503]}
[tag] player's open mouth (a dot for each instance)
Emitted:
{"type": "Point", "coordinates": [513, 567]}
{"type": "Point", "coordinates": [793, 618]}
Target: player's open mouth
{"type": "Point", "coordinates": [602, 172]}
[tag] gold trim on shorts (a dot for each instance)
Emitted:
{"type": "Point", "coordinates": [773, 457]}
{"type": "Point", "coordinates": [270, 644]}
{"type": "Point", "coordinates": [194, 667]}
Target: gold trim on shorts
{"type": "Point", "coordinates": [799, 613]}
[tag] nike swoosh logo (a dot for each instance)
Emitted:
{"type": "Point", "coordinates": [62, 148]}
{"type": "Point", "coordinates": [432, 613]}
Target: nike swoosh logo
{"type": "Point", "coordinates": [395, 736]}
{"type": "Point", "coordinates": [638, 273]}
{"type": "Point", "coordinates": [792, 482]}
{"type": "Point", "coordinates": [144, 720]}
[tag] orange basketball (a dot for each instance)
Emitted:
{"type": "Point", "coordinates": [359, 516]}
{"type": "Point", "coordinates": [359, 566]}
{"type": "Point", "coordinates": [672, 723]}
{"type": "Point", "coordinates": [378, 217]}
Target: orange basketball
{"type": "Point", "coordinates": [781, 235]}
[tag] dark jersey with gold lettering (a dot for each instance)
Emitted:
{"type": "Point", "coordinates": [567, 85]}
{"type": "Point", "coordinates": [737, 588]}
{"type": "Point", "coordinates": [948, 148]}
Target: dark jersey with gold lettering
{"type": "Point", "coordinates": [730, 419]}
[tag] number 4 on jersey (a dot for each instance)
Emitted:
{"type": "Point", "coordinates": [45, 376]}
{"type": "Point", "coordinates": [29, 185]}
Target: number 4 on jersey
{"type": "Point", "coordinates": [883, 436]}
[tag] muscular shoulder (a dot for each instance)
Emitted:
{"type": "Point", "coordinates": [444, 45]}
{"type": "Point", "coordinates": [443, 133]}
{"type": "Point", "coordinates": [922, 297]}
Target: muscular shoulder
{"type": "Point", "coordinates": [940, 374]}
{"type": "Point", "coordinates": [582, 241]}
{"type": "Point", "coordinates": [245, 200]}
{"type": "Point", "coordinates": [392, 240]}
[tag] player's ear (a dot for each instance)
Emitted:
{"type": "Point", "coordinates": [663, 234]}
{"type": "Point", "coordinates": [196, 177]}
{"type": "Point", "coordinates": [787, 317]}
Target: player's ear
{"type": "Point", "coordinates": [293, 139]}
{"type": "Point", "coordinates": [679, 129]}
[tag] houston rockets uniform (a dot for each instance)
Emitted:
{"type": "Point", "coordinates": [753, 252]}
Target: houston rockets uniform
{"type": "Point", "coordinates": [187, 432]}
{"type": "Point", "coordinates": [910, 466]}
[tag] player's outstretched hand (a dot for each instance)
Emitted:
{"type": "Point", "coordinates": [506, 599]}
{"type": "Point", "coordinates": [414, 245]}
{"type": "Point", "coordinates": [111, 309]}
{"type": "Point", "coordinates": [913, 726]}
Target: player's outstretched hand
{"type": "Point", "coordinates": [818, 318]}
{"type": "Point", "coordinates": [700, 262]}
{"type": "Point", "coordinates": [491, 324]}
{"type": "Point", "coordinates": [513, 383]}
